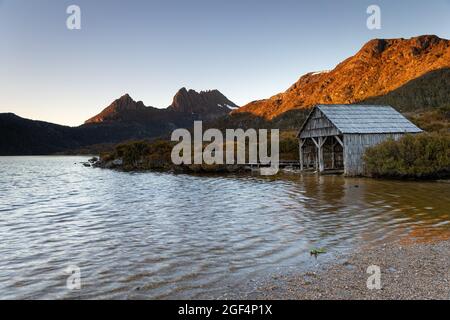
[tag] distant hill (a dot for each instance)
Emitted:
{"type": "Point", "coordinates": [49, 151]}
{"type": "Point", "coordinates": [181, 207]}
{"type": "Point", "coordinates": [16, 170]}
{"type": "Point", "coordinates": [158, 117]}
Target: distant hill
{"type": "Point", "coordinates": [125, 119]}
{"type": "Point", "coordinates": [412, 73]}
{"type": "Point", "coordinates": [19, 136]}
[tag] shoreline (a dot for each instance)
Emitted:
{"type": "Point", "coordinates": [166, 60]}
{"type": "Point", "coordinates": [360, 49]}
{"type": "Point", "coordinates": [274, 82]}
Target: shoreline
{"type": "Point", "coordinates": [409, 271]}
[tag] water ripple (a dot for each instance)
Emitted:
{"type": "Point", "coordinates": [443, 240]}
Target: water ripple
{"type": "Point", "coordinates": [156, 235]}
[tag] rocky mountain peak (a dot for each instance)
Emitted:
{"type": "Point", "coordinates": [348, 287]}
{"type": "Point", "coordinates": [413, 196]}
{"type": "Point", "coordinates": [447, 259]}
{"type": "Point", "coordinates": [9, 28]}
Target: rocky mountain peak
{"type": "Point", "coordinates": [203, 105]}
{"type": "Point", "coordinates": [211, 102]}
{"type": "Point", "coordinates": [115, 110]}
{"type": "Point", "coordinates": [374, 47]}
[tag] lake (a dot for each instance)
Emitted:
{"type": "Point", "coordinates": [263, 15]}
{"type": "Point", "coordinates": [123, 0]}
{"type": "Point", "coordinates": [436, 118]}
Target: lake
{"type": "Point", "coordinates": [160, 235]}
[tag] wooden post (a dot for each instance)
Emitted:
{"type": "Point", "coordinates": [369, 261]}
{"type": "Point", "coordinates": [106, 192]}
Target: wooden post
{"type": "Point", "coordinates": [342, 145]}
{"type": "Point", "coordinates": [320, 155]}
{"type": "Point", "coordinates": [320, 160]}
{"type": "Point", "coordinates": [316, 164]}
{"type": "Point", "coordinates": [333, 161]}
{"type": "Point", "coordinates": [332, 156]}
{"type": "Point", "coordinates": [302, 142]}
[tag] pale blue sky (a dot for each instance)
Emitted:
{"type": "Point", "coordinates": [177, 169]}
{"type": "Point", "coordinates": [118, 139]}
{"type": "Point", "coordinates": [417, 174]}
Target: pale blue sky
{"type": "Point", "coordinates": [248, 49]}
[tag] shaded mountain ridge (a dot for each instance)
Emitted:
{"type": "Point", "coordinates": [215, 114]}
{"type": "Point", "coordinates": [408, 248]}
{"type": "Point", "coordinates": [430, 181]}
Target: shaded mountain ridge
{"type": "Point", "coordinates": [124, 119]}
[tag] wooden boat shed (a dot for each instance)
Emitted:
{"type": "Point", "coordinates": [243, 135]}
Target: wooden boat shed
{"type": "Point", "coordinates": [334, 137]}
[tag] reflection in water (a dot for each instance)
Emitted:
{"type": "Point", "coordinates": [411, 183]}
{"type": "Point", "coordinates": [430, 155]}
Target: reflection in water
{"type": "Point", "coordinates": [155, 235]}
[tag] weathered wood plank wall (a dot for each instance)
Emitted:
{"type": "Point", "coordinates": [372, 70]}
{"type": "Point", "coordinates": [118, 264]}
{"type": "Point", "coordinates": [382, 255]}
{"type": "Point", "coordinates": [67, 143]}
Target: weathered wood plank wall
{"type": "Point", "coordinates": [354, 147]}
{"type": "Point", "coordinates": [318, 126]}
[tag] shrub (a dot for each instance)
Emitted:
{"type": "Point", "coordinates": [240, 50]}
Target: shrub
{"type": "Point", "coordinates": [142, 155]}
{"type": "Point", "coordinates": [132, 152]}
{"type": "Point", "coordinates": [422, 156]}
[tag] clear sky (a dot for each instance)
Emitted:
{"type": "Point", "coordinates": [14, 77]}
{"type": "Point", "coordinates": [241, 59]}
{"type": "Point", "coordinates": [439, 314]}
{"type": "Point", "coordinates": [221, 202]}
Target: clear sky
{"type": "Point", "coordinates": [248, 49]}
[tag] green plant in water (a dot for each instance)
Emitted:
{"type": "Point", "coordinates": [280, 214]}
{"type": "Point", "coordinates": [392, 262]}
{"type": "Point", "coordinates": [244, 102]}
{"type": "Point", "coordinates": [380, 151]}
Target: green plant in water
{"type": "Point", "coordinates": [317, 251]}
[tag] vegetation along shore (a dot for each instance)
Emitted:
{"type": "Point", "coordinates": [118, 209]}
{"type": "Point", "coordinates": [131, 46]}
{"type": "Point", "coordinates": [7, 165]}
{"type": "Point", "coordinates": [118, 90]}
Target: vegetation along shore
{"type": "Point", "coordinates": [421, 156]}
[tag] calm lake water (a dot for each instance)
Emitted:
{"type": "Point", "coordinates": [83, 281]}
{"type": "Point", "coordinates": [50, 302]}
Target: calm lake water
{"type": "Point", "coordinates": [158, 235]}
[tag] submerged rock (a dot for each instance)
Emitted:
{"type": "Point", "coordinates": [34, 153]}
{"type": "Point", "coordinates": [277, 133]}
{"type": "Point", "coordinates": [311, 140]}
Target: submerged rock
{"type": "Point", "coordinates": [93, 160]}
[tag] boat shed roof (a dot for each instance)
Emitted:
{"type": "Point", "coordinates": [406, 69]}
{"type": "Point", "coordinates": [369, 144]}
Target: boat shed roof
{"type": "Point", "coordinates": [366, 119]}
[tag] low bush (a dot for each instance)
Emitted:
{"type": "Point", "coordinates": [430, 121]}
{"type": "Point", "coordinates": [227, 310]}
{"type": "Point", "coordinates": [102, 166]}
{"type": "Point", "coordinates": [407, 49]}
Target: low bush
{"type": "Point", "coordinates": [422, 156]}
{"type": "Point", "coordinates": [142, 154]}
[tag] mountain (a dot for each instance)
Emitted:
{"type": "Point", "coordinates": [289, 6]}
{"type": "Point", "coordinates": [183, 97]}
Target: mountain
{"type": "Point", "coordinates": [124, 119]}
{"type": "Point", "coordinates": [187, 105]}
{"type": "Point", "coordinates": [207, 104]}
{"type": "Point", "coordinates": [381, 67]}
{"type": "Point", "coordinates": [122, 109]}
